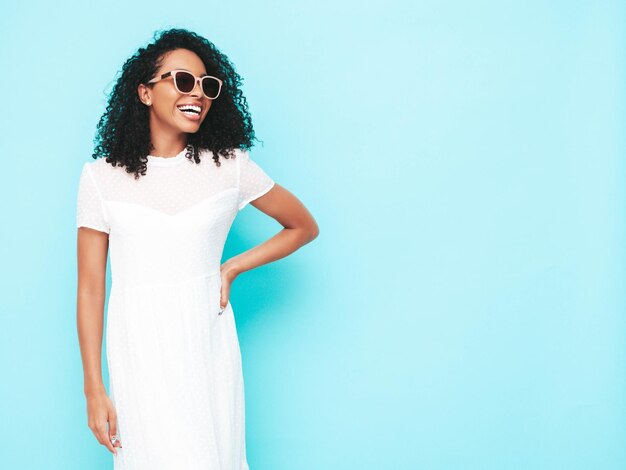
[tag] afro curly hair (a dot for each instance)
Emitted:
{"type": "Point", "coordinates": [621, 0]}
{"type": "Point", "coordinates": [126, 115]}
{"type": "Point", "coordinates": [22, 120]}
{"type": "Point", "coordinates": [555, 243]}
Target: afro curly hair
{"type": "Point", "coordinates": [123, 135]}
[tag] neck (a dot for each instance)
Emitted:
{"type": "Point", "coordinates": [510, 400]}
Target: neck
{"type": "Point", "coordinates": [166, 142]}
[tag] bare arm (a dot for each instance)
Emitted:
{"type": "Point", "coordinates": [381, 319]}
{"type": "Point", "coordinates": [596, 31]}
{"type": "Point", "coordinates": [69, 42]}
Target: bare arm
{"type": "Point", "coordinates": [92, 249]}
{"type": "Point", "coordinates": [299, 229]}
{"type": "Point", "coordinates": [92, 255]}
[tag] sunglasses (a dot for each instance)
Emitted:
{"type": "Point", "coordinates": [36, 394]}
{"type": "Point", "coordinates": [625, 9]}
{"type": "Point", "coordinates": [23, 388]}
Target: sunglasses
{"type": "Point", "coordinates": [185, 82]}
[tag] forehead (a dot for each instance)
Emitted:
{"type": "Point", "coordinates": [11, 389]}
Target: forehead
{"type": "Point", "coordinates": [182, 59]}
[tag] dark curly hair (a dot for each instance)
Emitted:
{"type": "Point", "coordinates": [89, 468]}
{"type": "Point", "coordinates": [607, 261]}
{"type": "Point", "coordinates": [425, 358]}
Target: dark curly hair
{"type": "Point", "coordinates": [123, 136]}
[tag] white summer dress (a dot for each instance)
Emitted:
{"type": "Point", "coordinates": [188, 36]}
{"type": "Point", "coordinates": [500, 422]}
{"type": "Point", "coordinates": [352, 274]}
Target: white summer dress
{"type": "Point", "coordinates": [175, 373]}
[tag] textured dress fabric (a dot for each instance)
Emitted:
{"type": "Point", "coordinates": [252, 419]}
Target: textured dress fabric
{"type": "Point", "coordinates": [175, 372]}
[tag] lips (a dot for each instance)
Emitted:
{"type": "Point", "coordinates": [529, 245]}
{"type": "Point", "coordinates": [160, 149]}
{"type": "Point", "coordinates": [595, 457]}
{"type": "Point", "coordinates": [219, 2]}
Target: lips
{"type": "Point", "coordinates": [192, 116]}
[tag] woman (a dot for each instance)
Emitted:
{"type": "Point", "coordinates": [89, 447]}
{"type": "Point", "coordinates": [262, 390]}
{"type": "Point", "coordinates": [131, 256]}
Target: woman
{"type": "Point", "coordinates": [175, 137]}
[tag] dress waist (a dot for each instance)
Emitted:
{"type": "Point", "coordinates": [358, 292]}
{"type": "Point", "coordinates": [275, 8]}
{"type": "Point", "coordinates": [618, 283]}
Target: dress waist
{"type": "Point", "coordinates": [135, 285]}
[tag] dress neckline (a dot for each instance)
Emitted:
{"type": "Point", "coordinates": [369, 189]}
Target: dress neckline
{"type": "Point", "coordinates": [168, 161]}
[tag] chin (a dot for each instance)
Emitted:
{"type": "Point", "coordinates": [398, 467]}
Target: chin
{"type": "Point", "coordinates": [191, 125]}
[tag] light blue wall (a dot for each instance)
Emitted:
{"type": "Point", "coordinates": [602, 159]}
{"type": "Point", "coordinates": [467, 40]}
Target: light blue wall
{"type": "Point", "coordinates": [463, 306]}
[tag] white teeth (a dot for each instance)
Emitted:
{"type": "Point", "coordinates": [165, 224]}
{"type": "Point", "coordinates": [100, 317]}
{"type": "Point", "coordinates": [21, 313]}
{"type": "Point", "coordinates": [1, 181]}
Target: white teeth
{"type": "Point", "coordinates": [190, 107]}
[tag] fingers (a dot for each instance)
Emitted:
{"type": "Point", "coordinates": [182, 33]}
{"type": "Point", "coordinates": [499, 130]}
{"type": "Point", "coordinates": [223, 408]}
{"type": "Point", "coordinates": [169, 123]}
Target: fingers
{"type": "Point", "coordinates": [223, 301]}
{"type": "Point", "coordinates": [100, 431]}
{"type": "Point", "coordinates": [224, 294]}
{"type": "Point", "coordinates": [107, 438]}
{"type": "Point", "coordinates": [113, 437]}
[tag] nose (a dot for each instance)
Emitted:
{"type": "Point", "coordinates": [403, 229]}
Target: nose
{"type": "Point", "coordinates": [197, 89]}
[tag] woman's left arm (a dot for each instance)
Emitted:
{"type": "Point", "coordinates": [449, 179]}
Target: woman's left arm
{"type": "Point", "coordinates": [299, 228]}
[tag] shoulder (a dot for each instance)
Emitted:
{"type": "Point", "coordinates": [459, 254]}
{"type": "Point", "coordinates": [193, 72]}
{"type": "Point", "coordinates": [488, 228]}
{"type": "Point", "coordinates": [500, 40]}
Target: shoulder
{"type": "Point", "coordinates": [207, 154]}
{"type": "Point", "coordinates": [237, 155]}
{"type": "Point", "coordinates": [99, 166]}
{"type": "Point", "coordinates": [242, 157]}
{"type": "Point", "coordinates": [87, 171]}
{"type": "Point", "coordinates": [104, 175]}
{"type": "Point", "coordinates": [242, 154]}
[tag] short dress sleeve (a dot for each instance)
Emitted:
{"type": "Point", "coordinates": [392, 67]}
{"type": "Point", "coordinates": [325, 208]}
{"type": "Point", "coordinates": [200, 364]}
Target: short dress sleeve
{"type": "Point", "coordinates": [90, 208]}
{"type": "Point", "coordinates": [253, 182]}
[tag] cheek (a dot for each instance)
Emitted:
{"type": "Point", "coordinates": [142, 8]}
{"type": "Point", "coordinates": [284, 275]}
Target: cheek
{"type": "Point", "coordinates": [165, 110]}
{"type": "Point", "coordinates": [167, 107]}
{"type": "Point", "coordinates": [166, 100]}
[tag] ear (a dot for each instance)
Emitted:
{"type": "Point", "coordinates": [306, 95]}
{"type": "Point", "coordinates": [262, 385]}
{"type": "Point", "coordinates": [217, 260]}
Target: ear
{"type": "Point", "coordinates": [144, 94]}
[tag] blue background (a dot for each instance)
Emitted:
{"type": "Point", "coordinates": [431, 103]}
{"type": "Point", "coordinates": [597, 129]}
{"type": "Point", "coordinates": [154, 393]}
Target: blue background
{"type": "Point", "coordinates": [463, 306]}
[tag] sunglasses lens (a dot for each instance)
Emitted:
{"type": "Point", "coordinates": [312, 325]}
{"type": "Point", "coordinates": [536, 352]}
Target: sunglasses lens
{"type": "Point", "coordinates": [184, 81]}
{"type": "Point", "coordinates": [211, 87]}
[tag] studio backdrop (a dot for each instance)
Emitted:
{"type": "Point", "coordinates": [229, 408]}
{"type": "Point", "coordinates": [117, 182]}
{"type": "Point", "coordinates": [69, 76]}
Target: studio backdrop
{"type": "Point", "coordinates": [463, 305]}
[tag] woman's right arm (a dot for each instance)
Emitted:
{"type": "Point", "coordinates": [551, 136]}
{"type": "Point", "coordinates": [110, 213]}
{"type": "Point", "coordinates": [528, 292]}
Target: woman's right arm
{"type": "Point", "coordinates": [92, 250]}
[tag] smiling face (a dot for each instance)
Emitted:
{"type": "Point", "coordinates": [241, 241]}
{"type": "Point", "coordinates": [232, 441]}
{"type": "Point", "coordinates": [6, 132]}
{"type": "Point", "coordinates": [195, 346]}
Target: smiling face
{"type": "Point", "coordinates": [164, 100]}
